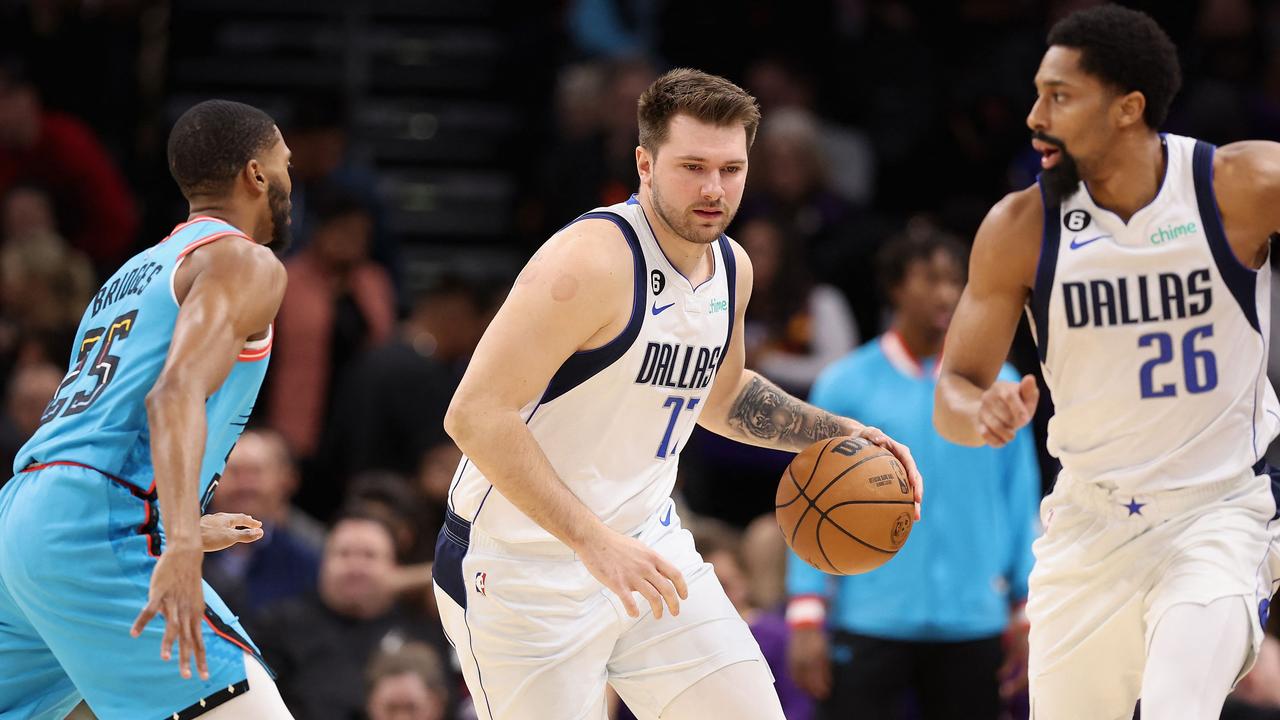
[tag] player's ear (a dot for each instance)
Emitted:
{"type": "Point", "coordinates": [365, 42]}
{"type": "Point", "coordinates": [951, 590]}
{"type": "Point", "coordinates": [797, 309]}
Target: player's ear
{"type": "Point", "coordinates": [1130, 108]}
{"type": "Point", "coordinates": [254, 176]}
{"type": "Point", "coordinates": [644, 164]}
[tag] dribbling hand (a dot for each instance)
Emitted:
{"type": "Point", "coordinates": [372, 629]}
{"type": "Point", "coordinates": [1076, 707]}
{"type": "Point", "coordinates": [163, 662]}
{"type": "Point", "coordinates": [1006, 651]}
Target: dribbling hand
{"type": "Point", "coordinates": [900, 451]}
{"type": "Point", "coordinates": [1006, 407]}
{"type": "Point", "coordinates": [626, 565]}
{"type": "Point", "coordinates": [176, 593]}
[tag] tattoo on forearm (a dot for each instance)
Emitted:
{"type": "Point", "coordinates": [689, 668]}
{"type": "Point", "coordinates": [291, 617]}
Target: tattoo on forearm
{"type": "Point", "coordinates": [764, 411]}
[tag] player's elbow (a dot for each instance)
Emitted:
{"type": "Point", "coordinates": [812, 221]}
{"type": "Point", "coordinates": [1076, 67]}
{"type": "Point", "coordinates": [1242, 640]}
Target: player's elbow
{"type": "Point", "coordinates": [461, 420]}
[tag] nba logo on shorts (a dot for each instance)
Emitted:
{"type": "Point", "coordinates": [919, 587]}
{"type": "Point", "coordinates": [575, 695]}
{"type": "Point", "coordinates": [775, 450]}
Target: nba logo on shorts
{"type": "Point", "coordinates": [480, 577]}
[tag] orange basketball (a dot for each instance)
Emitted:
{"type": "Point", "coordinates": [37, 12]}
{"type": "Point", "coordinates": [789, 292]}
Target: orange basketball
{"type": "Point", "coordinates": [845, 505]}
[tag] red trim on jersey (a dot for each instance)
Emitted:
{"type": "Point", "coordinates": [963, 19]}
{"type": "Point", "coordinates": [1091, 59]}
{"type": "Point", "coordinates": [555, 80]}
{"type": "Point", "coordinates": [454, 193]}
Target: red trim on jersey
{"type": "Point", "coordinates": [258, 353]}
{"type": "Point", "coordinates": [228, 638]}
{"type": "Point", "coordinates": [148, 497]}
{"type": "Point", "coordinates": [210, 238]}
{"type": "Point", "coordinates": [192, 221]}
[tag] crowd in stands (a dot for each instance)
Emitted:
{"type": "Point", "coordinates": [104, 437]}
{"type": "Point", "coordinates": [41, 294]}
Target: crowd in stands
{"type": "Point", "coordinates": [884, 140]}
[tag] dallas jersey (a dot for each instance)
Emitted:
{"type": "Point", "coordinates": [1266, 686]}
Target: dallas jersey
{"type": "Point", "coordinates": [98, 416]}
{"type": "Point", "coordinates": [613, 419]}
{"type": "Point", "coordinates": [1153, 337]}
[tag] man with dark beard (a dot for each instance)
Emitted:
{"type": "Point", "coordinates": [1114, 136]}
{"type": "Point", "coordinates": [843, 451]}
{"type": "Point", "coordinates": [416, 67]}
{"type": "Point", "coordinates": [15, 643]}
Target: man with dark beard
{"type": "Point", "coordinates": [107, 495]}
{"type": "Point", "coordinates": [1142, 261]}
{"type": "Point", "coordinates": [624, 330]}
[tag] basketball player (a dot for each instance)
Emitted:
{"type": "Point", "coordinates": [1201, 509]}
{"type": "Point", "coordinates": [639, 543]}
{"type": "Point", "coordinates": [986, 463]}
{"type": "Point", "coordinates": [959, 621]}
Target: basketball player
{"type": "Point", "coordinates": [1141, 258]}
{"type": "Point", "coordinates": [107, 494]}
{"type": "Point", "coordinates": [621, 332]}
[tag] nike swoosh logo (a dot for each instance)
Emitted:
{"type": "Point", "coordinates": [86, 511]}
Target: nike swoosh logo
{"type": "Point", "coordinates": [666, 521]}
{"type": "Point", "coordinates": [1077, 244]}
{"type": "Point", "coordinates": [657, 310]}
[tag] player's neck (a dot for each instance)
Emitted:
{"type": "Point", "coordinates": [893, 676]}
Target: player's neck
{"type": "Point", "coordinates": [694, 260]}
{"type": "Point", "coordinates": [242, 221]}
{"type": "Point", "coordinates": [1129, 177]}
{"type": "Point", "coordinates": [919, 342]}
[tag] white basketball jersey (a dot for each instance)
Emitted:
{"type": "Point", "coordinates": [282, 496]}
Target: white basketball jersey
{"type": "Point", "coordinates": [1153, 337]}
{"type": "Point", "coordinates": [613, 420]}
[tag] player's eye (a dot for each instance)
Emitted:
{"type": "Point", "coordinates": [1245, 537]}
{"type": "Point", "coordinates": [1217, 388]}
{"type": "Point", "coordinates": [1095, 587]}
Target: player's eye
{"type": "Point", "coordinates": [692, 167]}
{"type": "Point", "coordinates": [732, 169]}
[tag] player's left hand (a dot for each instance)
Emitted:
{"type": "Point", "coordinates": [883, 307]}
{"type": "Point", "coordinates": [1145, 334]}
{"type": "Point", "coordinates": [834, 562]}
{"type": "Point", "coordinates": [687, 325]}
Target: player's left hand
{"type": "Point", "coordinates": [900, 451]}
{"type": "Point", "coordinates": [1012, 675]}
{"type": "Point", "coordinates": [177, 593]}
{"type": "Point", "coordinates": [219, 531]}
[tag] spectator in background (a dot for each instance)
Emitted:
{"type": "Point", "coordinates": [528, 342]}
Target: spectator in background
{"type": "Point", "coordinates": [61, 153]}
{"type": "Point", "coordinates": [339, 304]}
{"type": "Point", "coordinates": [942, 617]}
{"type": "Point", "coordinates": [318, 136]}
{"type": "Point", "coordinates": [389, 410]}
{"type": "Point", "coordinates": [407, 684]}
{"type": "Point", "coordinates": [259, 480]}
{"type": "Point", "coordinates": [794, 326]}
{"type": "Point", "coordinates": [319, 645]}
{"type": "Point", "coordinates": [44, 284]}
{"type": "Point", "coordinates": [585, 170]}
{"type": "Point", "coordinates": [797, 193]}
{"type": "Point", "coordinates": [30, 389]}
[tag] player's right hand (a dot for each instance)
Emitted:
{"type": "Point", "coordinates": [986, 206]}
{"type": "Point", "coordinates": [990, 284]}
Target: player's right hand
{"type": "Point", "coordinates": [1005, 408]}
{"type": "Point", "coordinates": [809, 661]}
{"type": "Point", "coordinates": [177, 593]}
{"type": "Point", "coordinates": [626, 565]}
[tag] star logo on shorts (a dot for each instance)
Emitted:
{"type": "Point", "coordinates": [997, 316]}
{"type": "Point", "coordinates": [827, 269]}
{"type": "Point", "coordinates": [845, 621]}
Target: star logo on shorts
{"type": "Point", "coordinates": [1135, 507]}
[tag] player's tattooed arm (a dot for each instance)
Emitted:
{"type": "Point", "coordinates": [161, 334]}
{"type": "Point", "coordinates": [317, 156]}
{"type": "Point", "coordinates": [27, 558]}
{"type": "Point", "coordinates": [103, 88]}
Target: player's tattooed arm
{"type": "Point", "coordinates": [764, 414]}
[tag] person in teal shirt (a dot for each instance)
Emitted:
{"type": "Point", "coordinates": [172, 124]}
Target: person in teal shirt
{"type": "Point", "coordinates": [940, 624]}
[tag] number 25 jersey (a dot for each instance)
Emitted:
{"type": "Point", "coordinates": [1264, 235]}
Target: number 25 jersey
{"type": "Point", "coordinates": [1153, 337]}
{"type": "Point", "coordinates": [98, 416]}
{"type": "Point", "coordinates": [613, 420]}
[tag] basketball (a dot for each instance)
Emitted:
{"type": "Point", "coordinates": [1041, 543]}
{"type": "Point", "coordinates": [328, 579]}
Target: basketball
{"type": "Point", "coordinates": [845, 505]}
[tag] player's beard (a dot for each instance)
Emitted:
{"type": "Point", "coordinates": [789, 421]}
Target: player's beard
{"type": "Point", "coordinates": [1063, 179]}
{"type": "Point", "coordinates": [684, 222]}
{"type": "Point", "coordinates": [280, 207]}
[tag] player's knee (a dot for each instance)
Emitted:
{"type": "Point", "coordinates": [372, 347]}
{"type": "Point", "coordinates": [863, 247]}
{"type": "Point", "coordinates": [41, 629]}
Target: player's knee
{"type": "Point", "coordinates": [742, 690]}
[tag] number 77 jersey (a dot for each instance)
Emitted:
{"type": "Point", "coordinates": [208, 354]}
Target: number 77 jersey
{"type": "Point", "coordinates": [1153, 337]}
{"type": "Point", "coordinates": [98, 415]}
{"type": "Point", "coordinates": [613, 420]}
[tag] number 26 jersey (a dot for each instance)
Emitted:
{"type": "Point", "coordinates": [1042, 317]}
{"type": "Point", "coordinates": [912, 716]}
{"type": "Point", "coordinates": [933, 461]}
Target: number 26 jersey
{"type": "Point", "coordinates": [1153, 337]}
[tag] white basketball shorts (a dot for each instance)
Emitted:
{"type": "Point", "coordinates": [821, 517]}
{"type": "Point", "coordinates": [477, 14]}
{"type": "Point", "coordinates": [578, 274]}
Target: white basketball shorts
{"type": "Point", "coordinates": [1109, 565]}
{"type": "Point", "coordinates": [538, 636]}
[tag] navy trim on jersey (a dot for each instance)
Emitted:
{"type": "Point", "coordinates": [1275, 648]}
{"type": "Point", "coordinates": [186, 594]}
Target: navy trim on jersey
{"type": "Point", "coordinates": [1241, 281]}
{"type": "Point", "coordinates": [582, 366]}
{"type": "Point", "coordinates": [1042, 291]}
{"type": "Point", "coordinates": [451, 548]}
{"type": "Point", "coordinates": [731, 277]}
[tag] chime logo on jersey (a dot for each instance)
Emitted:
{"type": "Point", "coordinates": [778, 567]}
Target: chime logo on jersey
{"type": "Point", "coordinates": [672, 365]}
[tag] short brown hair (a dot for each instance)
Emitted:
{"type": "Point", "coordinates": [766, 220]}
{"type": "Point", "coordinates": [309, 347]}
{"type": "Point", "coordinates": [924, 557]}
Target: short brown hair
{"type": "Point", "coordinates": [705, 97]}
{"type": "Point", "coordinates": [412, 657]}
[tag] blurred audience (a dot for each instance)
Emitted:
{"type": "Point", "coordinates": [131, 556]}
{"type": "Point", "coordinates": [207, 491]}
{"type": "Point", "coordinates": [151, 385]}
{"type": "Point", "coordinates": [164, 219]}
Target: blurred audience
{"type": "Point", "coordinates": [338, 305]}
{"type": "Point", "coordinates": [407, 683]}
{"type": "Point", "coordinates": [260, 480]}
{"type": "Point", "coordinates": [794, 326]}
{"type": "Point", "coordinates": [318, 133]}
{"type": "Point", "coordinates": [877, 644]}
{"type": "Point", "coordinates": [96, 206]}
{"type": "Point", "coordinates": [320, 644]}
{"type": "Point", "coordinates": [30, 388]}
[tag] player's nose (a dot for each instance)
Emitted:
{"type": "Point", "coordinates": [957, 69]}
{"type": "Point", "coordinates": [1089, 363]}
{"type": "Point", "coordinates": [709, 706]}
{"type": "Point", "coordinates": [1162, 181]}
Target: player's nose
{"type": "Point", "coordinates": [1036, 119]}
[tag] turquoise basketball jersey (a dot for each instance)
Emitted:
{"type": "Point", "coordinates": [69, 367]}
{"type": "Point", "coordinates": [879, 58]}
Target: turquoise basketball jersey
{"type": "Point", "coordinates": [98, 416]}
